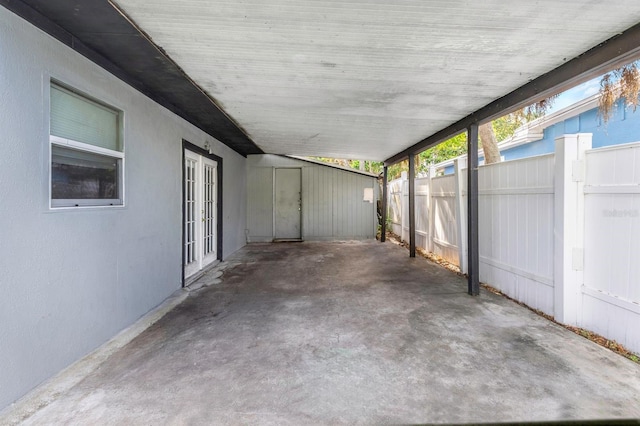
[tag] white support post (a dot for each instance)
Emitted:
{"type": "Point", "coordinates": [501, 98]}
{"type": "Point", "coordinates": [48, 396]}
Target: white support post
{"type": "Point", "coordinates": [430, 207]}
{"type": "Point", "coordinates": [461, 214]}
{"type": "Point", "coordinates": [569, 225]}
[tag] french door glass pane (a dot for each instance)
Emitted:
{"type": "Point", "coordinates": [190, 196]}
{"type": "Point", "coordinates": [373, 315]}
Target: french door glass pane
{"type": "Point", "coordinates": [209, 209]}
{"type": "Point", "coordinates": [190, 213]}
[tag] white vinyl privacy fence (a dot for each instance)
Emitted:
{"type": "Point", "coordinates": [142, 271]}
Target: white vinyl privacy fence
{"type": "Point", "coordinates": [515, 203]}
{"type": "Point", "coordinates": [610, 285]}
{"type": "Point", "coordinates": [559, 232]}
{"type": "Point", "coordinates": [436, 214]}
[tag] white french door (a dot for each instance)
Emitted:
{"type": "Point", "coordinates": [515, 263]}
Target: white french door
{"type": "Point", "coordinates": [200, 212]}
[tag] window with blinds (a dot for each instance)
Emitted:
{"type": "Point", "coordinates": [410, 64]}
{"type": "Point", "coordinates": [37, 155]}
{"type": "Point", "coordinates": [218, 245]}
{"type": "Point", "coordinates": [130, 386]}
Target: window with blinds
{"type": "Point", "coordinates": [87, 155]}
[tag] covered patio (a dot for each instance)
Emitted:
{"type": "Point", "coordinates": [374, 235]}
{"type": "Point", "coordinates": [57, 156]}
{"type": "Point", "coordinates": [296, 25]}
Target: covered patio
{"type": "Point", "coordinates": [346, 332]}
{"type": "Point", "coordinates": [291, 333]}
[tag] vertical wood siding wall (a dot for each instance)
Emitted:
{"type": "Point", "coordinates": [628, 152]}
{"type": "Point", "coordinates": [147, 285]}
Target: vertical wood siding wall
{"type": "Point", "coordinates": [259, 203]}
{"type": "Point", "coordinates": [332, 200]}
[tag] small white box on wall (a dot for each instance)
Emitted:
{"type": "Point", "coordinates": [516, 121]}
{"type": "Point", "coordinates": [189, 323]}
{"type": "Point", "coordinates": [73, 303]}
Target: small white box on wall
{"type": "Point", "coordinates": [368, 195]}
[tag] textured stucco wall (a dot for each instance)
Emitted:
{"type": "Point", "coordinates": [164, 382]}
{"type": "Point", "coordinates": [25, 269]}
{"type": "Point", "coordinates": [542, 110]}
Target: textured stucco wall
{"type": "Point", "coordinates": [70, 280]}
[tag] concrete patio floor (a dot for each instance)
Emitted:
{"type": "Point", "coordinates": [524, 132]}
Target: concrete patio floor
{"type": "Point", "coordinates": [353, 332]}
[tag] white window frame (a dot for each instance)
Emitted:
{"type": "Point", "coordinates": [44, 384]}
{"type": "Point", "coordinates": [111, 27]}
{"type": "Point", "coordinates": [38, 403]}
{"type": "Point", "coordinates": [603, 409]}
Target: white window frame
{"type": "Point", "coordinates": [62, 204]}
{"type": "Point", "coordinates": [88, 202]}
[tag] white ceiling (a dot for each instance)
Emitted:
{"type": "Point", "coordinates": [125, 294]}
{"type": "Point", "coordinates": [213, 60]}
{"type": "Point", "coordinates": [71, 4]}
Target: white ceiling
{"type": "Point", "coordinates": [367, 79]}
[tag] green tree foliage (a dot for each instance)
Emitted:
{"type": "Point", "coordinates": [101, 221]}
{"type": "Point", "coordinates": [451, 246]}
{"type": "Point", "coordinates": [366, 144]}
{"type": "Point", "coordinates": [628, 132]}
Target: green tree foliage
{"type": "Point", "coordinates": [395, 170]}
{"type": "Point", "coordinates": [505, 127]}
{"type": "Point", "coordinates": [491, 134]}
{"type": "Point", "coordinates": [374, 167]}
{"type": "Point", "coordinates": [446, 150]}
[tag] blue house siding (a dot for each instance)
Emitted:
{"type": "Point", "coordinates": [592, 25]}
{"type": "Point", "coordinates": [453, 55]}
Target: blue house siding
{"type": "Point", "coordinates": [622, 127]}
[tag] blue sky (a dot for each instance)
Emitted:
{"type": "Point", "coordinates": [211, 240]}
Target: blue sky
{"type": "Point", "coordinates": [579, 92]}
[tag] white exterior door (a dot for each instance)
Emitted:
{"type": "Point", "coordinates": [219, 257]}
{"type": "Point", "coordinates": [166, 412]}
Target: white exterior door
{"type": "Point", "coordinates": [288, 202]}
{"type": "Point", "coordinates": [200, 212]}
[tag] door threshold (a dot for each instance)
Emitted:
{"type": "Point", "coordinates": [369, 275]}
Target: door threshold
{"type": "Point", "coordinates": [288, 240]}
{"type": "Point", "coordinates": [197, 275]}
